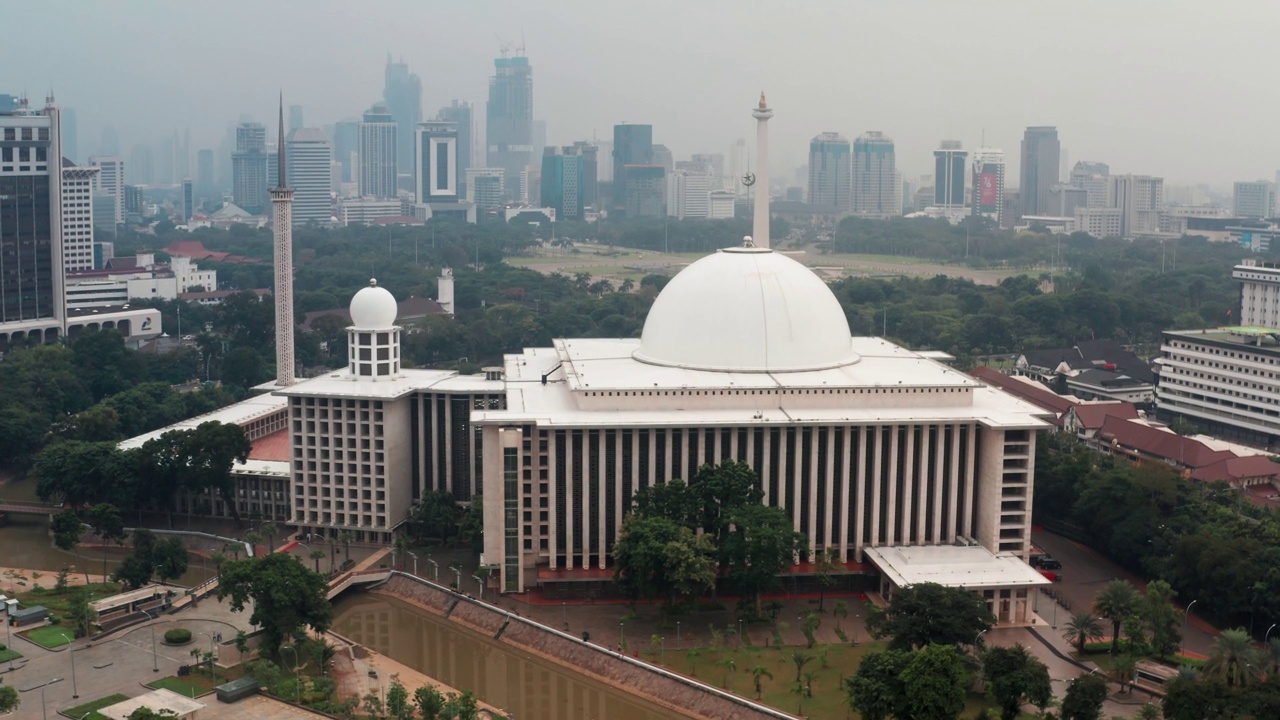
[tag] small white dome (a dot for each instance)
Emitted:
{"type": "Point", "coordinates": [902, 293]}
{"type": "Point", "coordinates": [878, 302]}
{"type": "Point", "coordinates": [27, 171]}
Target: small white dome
{"type": "Point", "coordinates": [373, 308]}
{"type": "Point", "coordinates": [747, 310]}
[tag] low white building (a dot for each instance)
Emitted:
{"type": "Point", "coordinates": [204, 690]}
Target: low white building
{"type": "Point", "coordinates": [364, 210]}
{"type": "Point", "coordinates": [139, 277]}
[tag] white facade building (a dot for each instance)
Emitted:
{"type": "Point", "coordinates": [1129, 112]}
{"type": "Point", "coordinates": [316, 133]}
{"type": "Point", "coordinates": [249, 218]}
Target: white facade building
{"type": "Point", "coordinates": [689, 194]}
{"type": "Point", "coordinates": [110, 181]}
{"type": "Point", "coordinates": [364, 210]}
{"type": "Point", "coordinates": [1259, 293]}
{"type": "Point", "coordinates": [485, 187]}
{"type": "Point", "coordinates": [1139, 199]}
{"type": "Point", "coordinates": [147, 279]}
{"type": "Point", "coordinates": [721, 205]}
{"type": "Point", "coordinates": [307, 153]}
{"type": "Point", "coordinates": [435, 157]}
{"type": "Point", "coordinates": [877, 186]}
{"type": "Point", "coordinates": [1098, 222]}
{"type": "Point", "coordinates": [77, 216]}
{"type": "Point", "coordinates": [378, 153]}
{"type": "Point", "coordinates": [1256, 199]}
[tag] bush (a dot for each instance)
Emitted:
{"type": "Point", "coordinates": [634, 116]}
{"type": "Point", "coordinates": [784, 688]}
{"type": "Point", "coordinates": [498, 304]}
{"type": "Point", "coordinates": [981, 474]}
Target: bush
{"type": "Point", "coordinates": [177, 636]}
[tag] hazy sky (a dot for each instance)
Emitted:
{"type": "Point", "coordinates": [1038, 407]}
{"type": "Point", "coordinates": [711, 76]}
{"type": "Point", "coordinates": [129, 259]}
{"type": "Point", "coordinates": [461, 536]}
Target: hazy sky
{"type": "Point", "coordinates": [1177, 88]}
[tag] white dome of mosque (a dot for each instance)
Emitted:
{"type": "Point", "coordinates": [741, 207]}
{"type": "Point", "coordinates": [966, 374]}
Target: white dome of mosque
{"type": "Point", "coordinates": [747, 309]}
{"type": "Point", "coordinates": [373, 308]}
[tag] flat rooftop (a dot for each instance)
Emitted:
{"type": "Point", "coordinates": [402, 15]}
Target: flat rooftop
{"type": "Point", "coordinates": [971, 567]}
{"type": "Point", "coordinates": [239, 413]}
{"type": "Point", "coordinates": [1243, 336]}
{"type": "Point", "coordinates": [158, 700]}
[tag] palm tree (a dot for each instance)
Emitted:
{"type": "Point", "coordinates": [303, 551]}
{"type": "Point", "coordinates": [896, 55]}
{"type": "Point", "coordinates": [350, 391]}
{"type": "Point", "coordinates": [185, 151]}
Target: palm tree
{"type": "Point", "coordinates": [1117, 601]}
{"type": "Point", "coordinates": [333, 553]}
{"type": "Point", "coordinates": [800, 659]}
{"type": "Point", "coordinates": [729, 666]}
{"type": "Point", "coordinates": [1081, 628]}
{"type": "Point", "coordinates": [316, 555]}
{"type": "Point", "coordinates": [269, 529]}
{"type": "Point", "coordinates": [757, 673]}
{"type": "Point", "coordinates": [693, 660]}
{"type": "Point", "coordinates": [1148, 711]}
{"type": "Point", "coordinates": [346, 539]}
{"type": "Point", "coordinates": [1233, 659]}
{"type": "Point", "coordinates": [255, 539]}
{"type": "Point", "coordinates": [840, 610]}
{"type": "Point", "coordinates": [1122, 670]}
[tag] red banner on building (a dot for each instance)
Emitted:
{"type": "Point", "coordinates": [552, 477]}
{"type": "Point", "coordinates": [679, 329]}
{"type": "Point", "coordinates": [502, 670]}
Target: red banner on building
{"type": "Point", "coordinates": [987, 195]}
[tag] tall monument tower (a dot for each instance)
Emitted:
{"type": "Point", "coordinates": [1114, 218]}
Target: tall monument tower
{"type": "Point", "coordinates": [760, 223]}
{"type": "Point", "coordinates": [282, 220]}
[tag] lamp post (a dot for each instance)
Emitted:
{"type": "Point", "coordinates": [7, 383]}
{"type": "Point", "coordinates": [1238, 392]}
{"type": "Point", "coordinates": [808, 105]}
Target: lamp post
{"type": "Point", "coordinates": [155, 661]}
{"type": "Point", "coordinates": [677, 633]}
{"type": "Point", "coordinates": [1186, 614]}
{"type": "Point", "coordinates": [621, 633]}
{"type": "Point", "coordinates": [458, 574]}
{"type": "Point", "coordinates": [8, 629]}
{"type": "Point", "coordinates": [975, 640]}
{"type": "Point", "coordinates": [564, 614]}
{"type": "Point", "coordinates": [436, 566]}
{"type": "Point", "coordinates": [297, 687]}
{"type": "Point", "coordinates": [43, 711]}
{"type": "Point", "coordinates": [1264, 637]}
{"type": "Point", "coordinates": [479, 581]}
{"type": "Point", "coordinates": [75, 692]}
{"type": "Point", "coordinates": [740, 636]}
{"type": "Point", "coordinates": [415, 563]}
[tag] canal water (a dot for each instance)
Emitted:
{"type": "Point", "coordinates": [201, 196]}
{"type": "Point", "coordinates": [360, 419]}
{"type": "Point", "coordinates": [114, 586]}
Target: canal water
{"type": "Point", "coordinates": [528, 688]}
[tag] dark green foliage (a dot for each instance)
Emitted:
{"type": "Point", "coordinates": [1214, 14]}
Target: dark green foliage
{"type": "Point", "coordinates": [286, 595]}
{"type": "Point", "coordinates": [1015, 676]}
{"type": "Point", "coordinates": [1084, 698]}
{"type": "Point", "coordinates": [929, 613]}
{"type": "Point", "coordinates": [876, 691]}
{"type": "Point", "coordinates": [177, 636]}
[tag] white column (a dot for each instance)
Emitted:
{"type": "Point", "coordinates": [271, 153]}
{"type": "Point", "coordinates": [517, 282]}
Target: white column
{"type": "Point", "coordinates": [760, 222]}
{"type": "Point", "coordinates": [922, 492]}
{"type": "Point", "coordinates": [447, 481]}
{"type": "Point", "coordinates": [282, 220]}
{"type": "Point", "coordinates": [875, 486]}
{"type": "Point", "coordinates": [908, 485]}
{"type": "Point", "coordinates": [939, 463]}
{"type": "Point", "coordinates": [828, 532]}
{"type": "Point", "coordinates": [602, 495]}
{"type": "Point", "coordinates": [891, 532]}
{"type": "Point", "coordinates": [966, 512]}
{"type": "Point", "coordinates": [813, 492]}
{"type": "Point", "coordinates": [848, 473]}
{"type": "Point", "coordinates": [552, 469]}
{"type": "Point", "coordinates": [585, 456]}
{"type": "Point", "coordinates": [653, 459]}
{"type": "Point", "coordinates": [767, 461]}
{"type": "Point", "coordinates": [860, 494]}
{"type": "Point", "coordinates": [954, 484]}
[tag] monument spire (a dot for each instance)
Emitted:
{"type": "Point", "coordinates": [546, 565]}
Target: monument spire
{"type": "Point", "coordinates": [282, 235]}
{"type": "Point", "coordinates": [760, 222]}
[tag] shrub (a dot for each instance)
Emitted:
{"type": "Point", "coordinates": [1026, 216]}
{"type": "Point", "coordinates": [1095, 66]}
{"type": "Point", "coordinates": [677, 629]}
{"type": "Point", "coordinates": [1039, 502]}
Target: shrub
{"type": "Point", "coordinates": [177, 636]}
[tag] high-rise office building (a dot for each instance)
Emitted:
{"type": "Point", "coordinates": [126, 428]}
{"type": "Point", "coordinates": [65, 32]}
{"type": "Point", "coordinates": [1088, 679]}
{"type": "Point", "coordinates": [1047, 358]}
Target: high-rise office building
{"type": "Point", "coordinates": [346, 148]}
{"type": "Point", "coordinates": [188, 199]}
{"type": "Point", "coordinates": [713, 163]}
{"type": "Point", "coordinates": [249, 176]}
{"type": "Point", "coordinates": [402, 93]}
{"type": "Point", "coordinates": [295, 119]}
{"type": "Point", "coordinates": [205, 185]}
{"type": "Point", "coordinates": [662, 156]}
{"type": "Point", "coordinates": [1256, 199]}
{"type": "Point", "coordinates": [70, 135]}
{"type": "Point", "coordinates": [31, 284]}
{"type": "Point", "coordinates": [563, 178]}
{"type": "Point", "coordinates": [590, 171]}
{"type": "Point", "coordinates": [459, 113]}
{"type": "Point", "coordinates": [1092, 178]}
{"type": "Point", "coordinates": [436, 162]}
{"type": "Point", "coordinates": [830, 171]}
{"type": "Point", "coordinates": [509, 119]}
{"type": "Point", "coordinates": [645, 191]}
{"type": "Point", "coordinates": [307, 152]}
{"type": "Point", "coordinates": [378, 153]}
{"type": "Point", "coordinates": [877, 191]}
{"type": "Point", "coordinates": [110, 181]}
{"type": "Point", "coordinates": [689, 194]}
{"type": "Point", "coordinates": [1139, 198]}
{"type": "Point", "coordinates": [632, 145]}
{"type": "Point", "coordinates": [1041, 153]}
{"type": "Point", "coordinates": [77, 216]}
{"type": "Point", "coordinates": [988, 185]}
{"type": "Point", "coordinates": [486, 185]}
{"type": "Point", "coordinates": [141, 165]}
{"type": "Point", "coordinates": [109, 144]}
{"type": "Point", "coordinates": [948, 174]}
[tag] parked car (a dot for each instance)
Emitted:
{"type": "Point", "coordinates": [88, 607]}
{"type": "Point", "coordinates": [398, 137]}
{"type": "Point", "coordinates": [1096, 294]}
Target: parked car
{"type": "Point", "coordinates": [1048, 563]}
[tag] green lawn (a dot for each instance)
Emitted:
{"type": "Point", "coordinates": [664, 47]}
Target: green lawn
{"type": "Point", "coordinates": [50, 636]}
{"type": "Point", "coordinates": [89, 710]}
{"type": "Point", "coordinates": [59, 602]}
{"type": "Point", "coordinates": [192, 686]}
{"type": "Point", "coordinates": [9, 654]}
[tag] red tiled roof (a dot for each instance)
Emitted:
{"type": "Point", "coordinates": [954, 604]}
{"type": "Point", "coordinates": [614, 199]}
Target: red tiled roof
{"type": "Point", "coordinates": [1092, 415]}
{"type": "Point", "coordinates": [1029, 390]}
{"type": "Point", "coordinates": [1160, 443]}
{"type": "Point", "coordinates": [1238, 468]}
{"type": "Point", "coordinates": [271, 447]}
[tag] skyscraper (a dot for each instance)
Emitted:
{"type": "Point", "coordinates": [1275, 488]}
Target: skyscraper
{"type": "Point", "coordinates": [830, 168]}
{"type": "Point", "coordinates": [988, 184]}
{"type": "Point", "coordinates": [689, 194]}
{"type": "Point", "coordinates": [70, 135]}
{"type": "Point", "coordinates": [307, 154]}
{"type": "Point", "coordinates": [205, 186]}
{"type": "Point", "coordinates": [188, 199]}
{"type": "Point", "coordinates": [435, 169]}
{"type": "Point", "coordinates": [77, 216]}
{"type": "Point", "coordinates": [563, 182]}
{"type": "Point", "coordinates": [403, 95]}
{"type": "Point", "coordinates": [141, 165]}
{"type": "Point", "coordinates": [1092, 178]}
{"type": "Point", "coordinates": [346, 148]}
{"type": "Point", "coordinates": [645, 191]}
{"type": "Point", "coordinates": [110, 181]}
{"type": "Point", "coordinates": [459, 113]}
{"type": "Point", "coordinates": [1256, 199]}
{"type": "Point", "coordinates": [590, 172]}
{"type": "Point", "coordinates": [1041, 153]}
{"type": "Point", "coordinates": [877, 191]}
{"type": "Point", "coordinates": [486, 188]}
{"type": "Point", "coordinates": [1139, 199]}
{"type": "Point", "coordinates": [378, 142]}
{"type": "Point", "coordinates": [632, 145]}
{"type": "Point", "coordinates": [948, 174]}
{"type": "Point", "coordinates": [662, 156]}
{"type": "Point", "coordinates": [509, 119]}
{"type": "Point", "coordinates": [31, 284]}
{"type": "Point", "coordinates": [282, 234]}
{"type": "Point", "coordinates": [249, 168]}
{"type": "Point", "coordinates": [295, 119]}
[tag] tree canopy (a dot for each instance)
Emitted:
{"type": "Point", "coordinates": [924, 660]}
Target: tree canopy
{"type": "Point", "coordinates": [928, 613]}
{"type": "Point", "coordinates": [286, 595]}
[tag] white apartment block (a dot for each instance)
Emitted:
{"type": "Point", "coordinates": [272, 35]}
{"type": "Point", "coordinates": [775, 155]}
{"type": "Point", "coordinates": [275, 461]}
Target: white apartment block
{"type": "Point", "coordinates": [1259, 293]}
{"type": "Point", "coordinates": [1256, 199]}
{"type": "Point", "coordinates": [1098, 222]}
{"type": "Point", "coordinates": [145, 280]}
{"type": "Point", "coordinates": [364, 210]}
{"type": "Point", "coordinates": [689, 194]}
{"type": "Point", "coordinates": [110, 181]}
{"type": "Point", "coordinates": [721, 205]}
{"type": "Point", "coordinates": [307, 166]}
{"type": "Point", "coordinates": [77, 217]}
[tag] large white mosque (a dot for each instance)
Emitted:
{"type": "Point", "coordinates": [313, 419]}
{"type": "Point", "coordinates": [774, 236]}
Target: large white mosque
{"type": "Point", "coordinates": [887, 457]}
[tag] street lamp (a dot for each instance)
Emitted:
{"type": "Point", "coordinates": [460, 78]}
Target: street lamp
{"type": "Point", "coordinates": [677, 633]}
{"type": "Point", "coordinates": [436, 566]}
{"type": "Point", "coordinates": [8, 629]}
{"type": "Point", "coordinates": [1264, 637]}
{"type": "Point", "coordinates": [43, 712]}
{"type": "Point", "coordinates": [975, 640]}
{"type": "Point", "coordinates": [458, 574]}
{"type": "Point", "coordinates": [622, 637]}
{"type": "Point", "coordinates": [1185, 614]}
{"type": "Point", "coordinates": [75, 693]}
{"type": "Point", "coordinates": [155, 662]}
{"type": "Point", "coordinates": [297, 687]}
{"type": "Point", "coordinates": [740, 636]}
{"type": "Point", "coordinates": [415, 562]}
{"type": "Point", "coordinates": [479, 581]}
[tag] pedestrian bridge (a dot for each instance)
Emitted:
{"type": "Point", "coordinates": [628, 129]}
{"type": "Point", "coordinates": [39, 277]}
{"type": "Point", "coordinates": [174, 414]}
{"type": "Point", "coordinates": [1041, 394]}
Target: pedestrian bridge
{"type": "Point", "coordinates": [18, 507]}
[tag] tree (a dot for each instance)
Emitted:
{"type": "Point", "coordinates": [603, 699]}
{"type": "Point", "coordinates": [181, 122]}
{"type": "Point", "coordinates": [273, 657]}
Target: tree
{"type": "Point", "coordinates": [9, 700]}
{"type": "Point", "coordinates": [655, 557]}
{"type": "Point", "coordinates": [1233, 659]}
{"type": "Point", "coordinates": [170, 559]}
{"type": "Point", "coordinates": [826, 569]}
{"type": "Point", "coordinates": [928, 613]}
{"type": "Point", "coordinates": [726, 662]}
{"type": "Point", "coordinates": [1148, 711]}
{"type": "Point", "coordinates": [316, 555]}
{"type": "Point", "coordinates": [1117, 601]}
{"type": "Point", "coordinates": [1014, 676]}
{"type": "Point", "coordinates": [1123, 668]}
{"type": "Point", "coordinates": [875, 691]}
{"type": "Point", "coordinates": [1188, 697]}
{"type": "Point", "coordinates": [243, 367]}
{"type": "Point", "coordinates": [932, 683]}
{"type": "Point", "coordinates": [1081, 628]}
{"type": "Point", "coordinates": [1084, 698]}
{"type": "Point", "coordinates": [757, 674]}
{"type": "Point", "coordinates": [1161, 618]}
{"type": "Point", "coordinates": [146, 713]}
{"type": "Point", "coordinates": [269, 529]}
{"type": "Point", "coordinates": [242, 643]}
{"type": "Point", "coordinates": [108, 526]}
{"type": "Point", "coordinates": [435, 515]}
{"type": "Point", "coordinates": [672, 500]}
{"type": "Point", "coordinates": [67, 528]}
{"type": "Point", "coordinates": [809, 626]}
{"type": "Point", "coordinates": [398, 701]}
{"type": "Point", "coordinates": [212, 448]}
{"type": "Point", "coordinates": [840, 611]}
{"type": "Point", "coordinates": [133, 572]}
{"type": "Point", "coordinates": [285, 594]}
{"type": "Point", "coordinates": [462, 707]}
{"type": "Point", "coordinates": [762, 544]}
{"type": "Point", "coordinates": [429, 701]}
{"type": "Point", "coordinates": [81, 613]}
{"type": "Point", "coordinates": [75, 473]}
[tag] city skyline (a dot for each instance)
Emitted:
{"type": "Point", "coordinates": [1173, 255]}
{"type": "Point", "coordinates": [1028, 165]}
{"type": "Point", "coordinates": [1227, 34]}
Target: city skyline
{"type": "Point", "coordinates": [339, 73]}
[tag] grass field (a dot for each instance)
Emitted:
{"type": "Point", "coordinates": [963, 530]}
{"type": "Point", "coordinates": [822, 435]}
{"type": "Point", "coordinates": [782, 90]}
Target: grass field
{"type": "Point", "coordinates": [9, 654]}
{"type": "Point", "coordinates": [192, 686]}
{"type": "Point", "coordinates": [89, 710]}
{"type": "Point", "coordinates": [50, 636]}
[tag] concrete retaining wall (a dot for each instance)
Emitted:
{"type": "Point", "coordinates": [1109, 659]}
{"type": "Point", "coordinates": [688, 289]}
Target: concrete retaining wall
{"type": "Point", "coordinates": [682, 695]}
